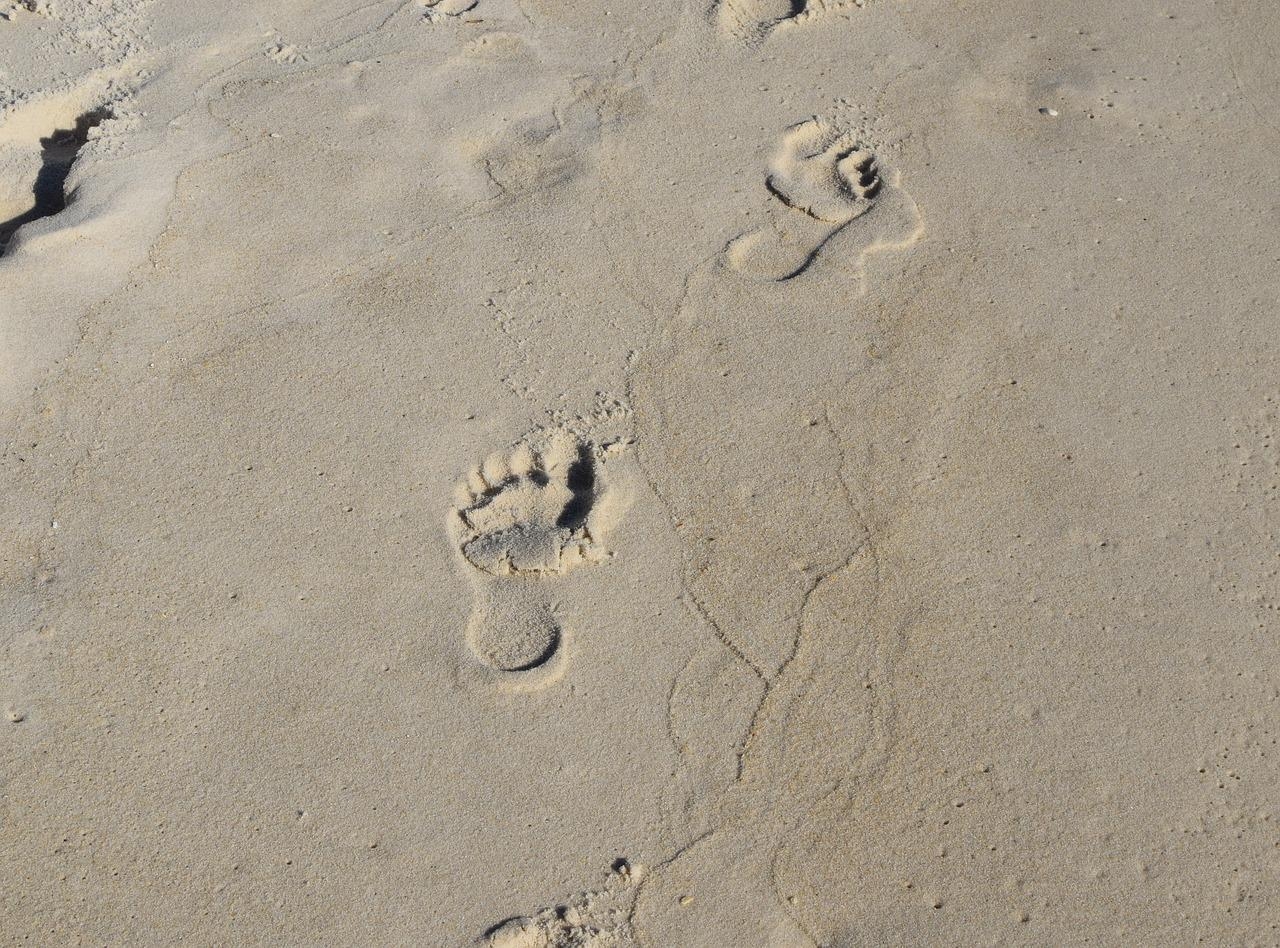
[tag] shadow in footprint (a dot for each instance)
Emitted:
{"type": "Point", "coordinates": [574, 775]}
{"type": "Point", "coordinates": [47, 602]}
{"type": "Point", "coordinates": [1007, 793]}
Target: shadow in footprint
{"type": "Point", "coordinates": [58, 152]}
{"type": "Point", "coordinates": [581, 481]}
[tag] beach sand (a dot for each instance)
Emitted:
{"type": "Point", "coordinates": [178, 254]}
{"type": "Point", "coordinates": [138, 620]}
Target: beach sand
{"type": "Point", "coordinates": [536, 473]}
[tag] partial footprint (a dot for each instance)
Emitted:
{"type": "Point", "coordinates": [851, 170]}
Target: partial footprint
{"type": "Point", "coordinates": [751, 21]}
{"type": "Point", "coordinates": [822, 180]}
{"type": "Point", "coordinates": [597, 919]}
{"type": "Point", "coordinates": [437, 9]}
{"type": "Point", "coordinates": [821, 171]}
{"type": "Point", "coordinates": [285, 54]}
{"type": "Point", "coordinates": [523, 517]}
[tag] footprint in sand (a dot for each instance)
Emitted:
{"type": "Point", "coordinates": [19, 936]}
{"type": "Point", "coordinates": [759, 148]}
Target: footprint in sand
{"type": "Point", "coordinates": [437, 9]}
{"type": "Point", "coordinates": [596, 919]}
{"type": "Point", "coordinates": [523, 517]}
{"type": "Point", "coordinates": [751, 21]}
{"type": "Point", "coordinates": [821, 180]}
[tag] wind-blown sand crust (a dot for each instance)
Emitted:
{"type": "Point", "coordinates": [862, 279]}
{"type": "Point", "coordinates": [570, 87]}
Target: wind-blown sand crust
{"type": "Point", "coordinates": [726, 473]}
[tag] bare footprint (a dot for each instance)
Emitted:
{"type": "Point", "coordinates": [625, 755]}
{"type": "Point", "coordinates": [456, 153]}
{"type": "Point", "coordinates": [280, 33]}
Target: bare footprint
{"type": "Point", "coordinates": [597, 919]}
{"type": "Point", "coordinates": [751, 21]}
{"type": "Point", "coordinates": [437, 9]}
{"type": "Point", "coordinates": [523, 517]}
{"type": "Point", "coordinates": [821, 180]}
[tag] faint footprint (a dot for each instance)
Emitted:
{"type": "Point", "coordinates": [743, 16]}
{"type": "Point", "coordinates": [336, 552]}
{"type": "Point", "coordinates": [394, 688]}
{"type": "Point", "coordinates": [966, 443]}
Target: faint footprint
{"type": "Point", "coordinates": [825, 180]}
{"type": "Point", "coordinates": [285, 54]}
{"type": "Point", "coordinates": [539, 151]}
{"type": "Point", "coordinates": [522, 517]}
{"type": "Point", "coordinates": [751, 21]}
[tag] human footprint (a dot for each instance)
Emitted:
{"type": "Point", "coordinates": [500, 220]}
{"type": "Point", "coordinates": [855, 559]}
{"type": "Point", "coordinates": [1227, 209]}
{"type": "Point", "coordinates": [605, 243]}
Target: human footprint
{"type": "Point", "coordinates": [752, 21]}
{"type": "Point", "coordinates": [825, 181]}
{"type": "Point", "coordinates": [438, 8]}
{"type": "Point", "coordinates": [521, 518]}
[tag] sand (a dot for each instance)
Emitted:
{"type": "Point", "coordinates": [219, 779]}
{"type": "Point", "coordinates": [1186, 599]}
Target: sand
{"type": "Point", "coordinates": [537, 473]}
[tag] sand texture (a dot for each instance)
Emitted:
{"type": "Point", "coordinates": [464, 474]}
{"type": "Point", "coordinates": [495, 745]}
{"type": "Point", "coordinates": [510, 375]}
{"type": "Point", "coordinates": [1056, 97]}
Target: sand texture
{"type": "Point", "coordinates": [704, 474]}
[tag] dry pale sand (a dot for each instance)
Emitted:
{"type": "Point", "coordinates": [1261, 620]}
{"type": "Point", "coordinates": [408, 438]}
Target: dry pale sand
{"type": "Point", "coordinates": [576, 473]}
